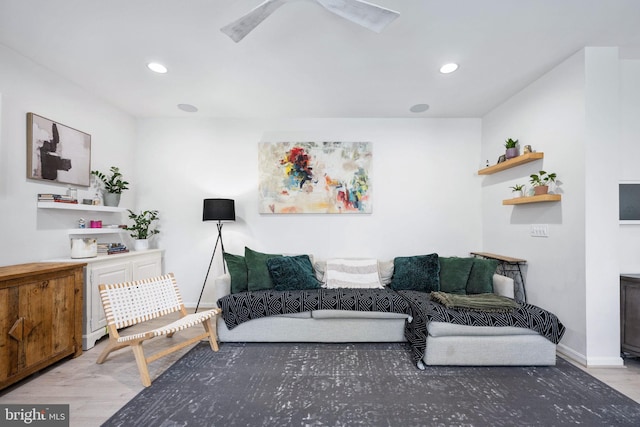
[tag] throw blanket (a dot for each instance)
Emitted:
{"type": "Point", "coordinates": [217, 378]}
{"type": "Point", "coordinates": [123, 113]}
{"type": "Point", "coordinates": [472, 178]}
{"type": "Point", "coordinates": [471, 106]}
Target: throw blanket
{"type": "Point", "coordinates": [425, 310]}
{"type": "Point", "coordinates": [480, 302]}
{"type": "Point", "coordinates": [244, 306]}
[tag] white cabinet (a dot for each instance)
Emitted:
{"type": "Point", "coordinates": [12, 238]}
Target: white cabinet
{"type": "Point", "coordinates": [109, 269]}
{"type": "Point", "coordinates": [112, 269]}
{"type": "Point", "coordinates": [107, 272]}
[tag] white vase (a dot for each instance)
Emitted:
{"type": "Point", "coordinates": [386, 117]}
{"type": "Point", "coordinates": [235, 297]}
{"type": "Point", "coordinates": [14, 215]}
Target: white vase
{"type": "Point", "coordinates": [141, 244]}
{"type": "Point", "coordinates": [517, 194]}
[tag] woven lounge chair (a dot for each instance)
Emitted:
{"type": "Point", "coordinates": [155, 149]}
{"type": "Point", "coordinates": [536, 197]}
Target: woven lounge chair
{"type": "Point", "coordinates": [130, 303]}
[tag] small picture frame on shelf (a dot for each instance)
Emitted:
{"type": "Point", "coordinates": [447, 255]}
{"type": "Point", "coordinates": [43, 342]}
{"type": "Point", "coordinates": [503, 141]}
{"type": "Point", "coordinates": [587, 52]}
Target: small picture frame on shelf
{"type": "Point", "coordinates": [502, 158]}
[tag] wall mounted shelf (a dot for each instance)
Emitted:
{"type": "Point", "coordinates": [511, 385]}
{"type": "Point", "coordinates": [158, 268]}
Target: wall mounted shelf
{"type": "Point", "coordinates": [511, 163]}
{"type": "Point", "coordinates": [85, 231]}
{"type": "Point", "coordinates": [533, 199]}
{"type": "Point", "coordinates": [79, 207]}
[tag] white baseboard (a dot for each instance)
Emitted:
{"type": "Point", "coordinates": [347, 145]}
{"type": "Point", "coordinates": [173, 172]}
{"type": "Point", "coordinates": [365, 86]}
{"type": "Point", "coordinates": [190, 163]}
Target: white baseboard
{"type": "Point", "coordinates": [572, 354]}
{"type": "Point", "coordinates": [589, 362]}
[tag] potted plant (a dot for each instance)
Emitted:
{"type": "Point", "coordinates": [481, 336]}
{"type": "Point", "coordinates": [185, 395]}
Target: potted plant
{"type": "Point", "coordinates": [540, 182]}
{"type": "Point", "coordinates": [143, 228]}
{"type": "Point", "coordinates": [518, 190]}
{"type": "Point", "coordinates": [113, 185]}
{"type": "Point", "coordinates": [512, 148]}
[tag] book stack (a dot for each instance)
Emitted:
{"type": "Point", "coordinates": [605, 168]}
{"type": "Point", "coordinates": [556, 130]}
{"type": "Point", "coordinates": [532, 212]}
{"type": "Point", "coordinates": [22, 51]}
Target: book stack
{"type": "Point", "coordinates": [111, 248]}
{"type": "Point", "coordinates": [59, 198]}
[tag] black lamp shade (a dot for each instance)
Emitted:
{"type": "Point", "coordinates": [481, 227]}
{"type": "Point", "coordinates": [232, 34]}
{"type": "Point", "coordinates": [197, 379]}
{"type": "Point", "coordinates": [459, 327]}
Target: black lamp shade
{"type": "Point", "coordinates": [219, 210]}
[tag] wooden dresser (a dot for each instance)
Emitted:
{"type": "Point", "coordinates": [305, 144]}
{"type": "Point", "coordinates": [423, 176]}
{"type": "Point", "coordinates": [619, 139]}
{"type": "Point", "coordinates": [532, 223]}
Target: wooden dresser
{"type": "Point", "coordinates": [630, 314]}
{"type": "Point", "coordinates": [40, 317]}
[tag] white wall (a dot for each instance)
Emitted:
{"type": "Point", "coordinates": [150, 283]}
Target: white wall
{"type": "Point", "coordinates": [424, 189]}
{"type": "Point", "coordinates": [29, 234]}
{"type": "Point", "coordinates": [571, 115]}
{"type": "Point", "coordinates": [602, 272]}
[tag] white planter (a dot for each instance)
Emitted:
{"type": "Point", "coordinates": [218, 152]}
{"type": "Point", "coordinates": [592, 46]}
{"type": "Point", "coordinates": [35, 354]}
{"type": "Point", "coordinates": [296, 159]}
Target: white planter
{"type": "Point", "coordinates": [517, 194]}
{"type": "Point", "coordinates": [111, 199]}
{"type": "Point", "coordinates": [141, 244]}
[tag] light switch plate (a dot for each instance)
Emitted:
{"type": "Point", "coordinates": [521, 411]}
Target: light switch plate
{"type": "Point", "coordinates": [539, 230]}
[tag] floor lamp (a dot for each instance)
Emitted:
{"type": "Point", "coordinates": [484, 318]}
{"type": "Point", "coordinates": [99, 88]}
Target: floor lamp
{"type": "Point", "coordinates": [217, 210]}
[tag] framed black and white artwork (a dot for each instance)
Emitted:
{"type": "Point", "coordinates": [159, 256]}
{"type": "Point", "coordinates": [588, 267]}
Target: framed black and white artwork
{"type": "Point", "coordinates": [57, 153]}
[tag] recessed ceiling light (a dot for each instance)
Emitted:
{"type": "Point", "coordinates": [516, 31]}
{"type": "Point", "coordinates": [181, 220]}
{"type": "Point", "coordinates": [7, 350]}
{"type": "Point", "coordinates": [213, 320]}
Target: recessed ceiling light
{"type": "Point", "coordinates": [448, 68]}
{"type": "Point", "coordinates": [158, 68]}
{"type": "Point", "coordinates": [188, 108]}
{"type": "Point", "coordinates": [419, 108]}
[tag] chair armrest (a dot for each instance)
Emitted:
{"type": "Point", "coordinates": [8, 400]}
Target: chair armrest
{"type": "Point", "coordinates": [222, 286]}
{"type": "Point", "coordinates": [503, 285]}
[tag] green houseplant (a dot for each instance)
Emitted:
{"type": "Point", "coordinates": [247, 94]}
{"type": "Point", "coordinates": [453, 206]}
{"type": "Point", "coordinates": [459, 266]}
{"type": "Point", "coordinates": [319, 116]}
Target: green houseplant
{"type": "Point", "coordinates": [113, 185]}
{"type": "Point", "coordinates": [143, 227]}
{"type": "Point", "coordinates": [518, 190]}
{"type": "Point", "coordinates": [540, 181]}
{"type": "Point", "coordinates": [512, 148]}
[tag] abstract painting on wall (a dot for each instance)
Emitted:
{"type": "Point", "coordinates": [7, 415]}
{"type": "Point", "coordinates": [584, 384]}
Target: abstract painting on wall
{"type": "Point", "coordinates": [315, 177]}
{"type": "Point", "coordinates": [57, 153]}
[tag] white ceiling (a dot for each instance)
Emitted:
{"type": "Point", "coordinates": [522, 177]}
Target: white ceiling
{"type": "Point", "coordinates": [303, 61]}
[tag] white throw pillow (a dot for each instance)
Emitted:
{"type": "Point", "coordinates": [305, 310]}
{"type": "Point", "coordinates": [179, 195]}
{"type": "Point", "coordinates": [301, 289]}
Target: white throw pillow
{"type": "Point", "coordinates": [385, 268]}
{"type": "Point", "coordinates": [352, 273]}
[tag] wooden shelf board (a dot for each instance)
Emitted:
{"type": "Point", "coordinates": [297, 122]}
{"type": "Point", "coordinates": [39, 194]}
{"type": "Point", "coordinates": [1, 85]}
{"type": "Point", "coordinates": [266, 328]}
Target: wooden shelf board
{"type": "Point", "coordinates": [79, 207]}
{"type": "Point", "coordinates": [511, 163]}
{"type": "Point", "coordinates": [533, 199]}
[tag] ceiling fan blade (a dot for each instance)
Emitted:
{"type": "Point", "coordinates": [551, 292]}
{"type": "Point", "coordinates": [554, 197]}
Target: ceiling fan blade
{"type": "Point", "coordinates": [370, 16]}
{"type": "Point", "coordinates": [239, 28]}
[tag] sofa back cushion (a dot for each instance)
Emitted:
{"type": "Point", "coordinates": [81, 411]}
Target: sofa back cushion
{"type": "Point", "coordinates": [416, 273]}
{"type": "Point", "coordinates": [290, 273]}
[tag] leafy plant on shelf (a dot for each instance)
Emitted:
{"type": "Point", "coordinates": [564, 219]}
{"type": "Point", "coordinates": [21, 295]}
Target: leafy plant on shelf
{"type": "Point", "coordinates": [542, 178]}
{"type": "Point", "coordinates": [112, 183]}
{"type": "Point", "coordinates": [143, 226]}
{"type": "Point", "coordinates": [511, 143]}
{"type": "Point", "coordinates": [517, 187]}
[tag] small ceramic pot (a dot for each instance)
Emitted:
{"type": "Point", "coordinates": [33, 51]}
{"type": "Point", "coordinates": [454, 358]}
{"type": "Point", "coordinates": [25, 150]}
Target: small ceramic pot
{"type": "Point", "coordinates": [141, 244]}
{"type": "Point", "coordinates": [511, 152]}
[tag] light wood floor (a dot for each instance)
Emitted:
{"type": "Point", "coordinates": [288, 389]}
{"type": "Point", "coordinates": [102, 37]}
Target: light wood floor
{"type": "Point", "coordinates": [95, 392]}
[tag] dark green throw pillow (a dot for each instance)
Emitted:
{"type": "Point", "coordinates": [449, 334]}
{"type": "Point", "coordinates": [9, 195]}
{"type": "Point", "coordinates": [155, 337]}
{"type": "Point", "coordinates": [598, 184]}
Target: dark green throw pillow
{"type": "Point", "coordinates": [454, 274]}
{"type": "Point", "coordinates": [292, 273]}
{"type": "Point", "coordinates": [481, 277]}
{"type": "Point", "coordinates": [238, 270]}
{"type": "Point", "coordinates": [416, 273]}
{"type": "Point", "coordinates": [258, 276]}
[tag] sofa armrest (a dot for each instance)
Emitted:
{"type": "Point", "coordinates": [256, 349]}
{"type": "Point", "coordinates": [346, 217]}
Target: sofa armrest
{"type": "Point", "coordinates": [221, 287]}
{"type": "Point", "coordinates": [503, 285]}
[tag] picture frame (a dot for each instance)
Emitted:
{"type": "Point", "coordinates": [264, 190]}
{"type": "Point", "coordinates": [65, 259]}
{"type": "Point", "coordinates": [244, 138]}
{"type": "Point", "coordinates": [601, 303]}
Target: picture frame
{"type": "Point", "coordinates": [502, 158]}
{"type": "Point", "coordinates": [315, 177]}
{"type": "Point", "coordinates": [57, 153]}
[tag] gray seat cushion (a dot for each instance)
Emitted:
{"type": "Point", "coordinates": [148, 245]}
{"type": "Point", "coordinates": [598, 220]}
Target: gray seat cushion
{"type": "Point", "coordinates": [443, 329]}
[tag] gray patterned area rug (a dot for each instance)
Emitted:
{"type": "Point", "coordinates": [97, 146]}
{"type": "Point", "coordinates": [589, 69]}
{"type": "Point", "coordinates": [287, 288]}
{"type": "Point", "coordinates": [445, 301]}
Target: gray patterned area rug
{"type": "Point", "coordinates": [274, 384]}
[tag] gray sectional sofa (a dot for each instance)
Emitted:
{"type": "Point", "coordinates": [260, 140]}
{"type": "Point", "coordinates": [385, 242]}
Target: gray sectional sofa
{"type": "Point", "coordinates": [446, 343]}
